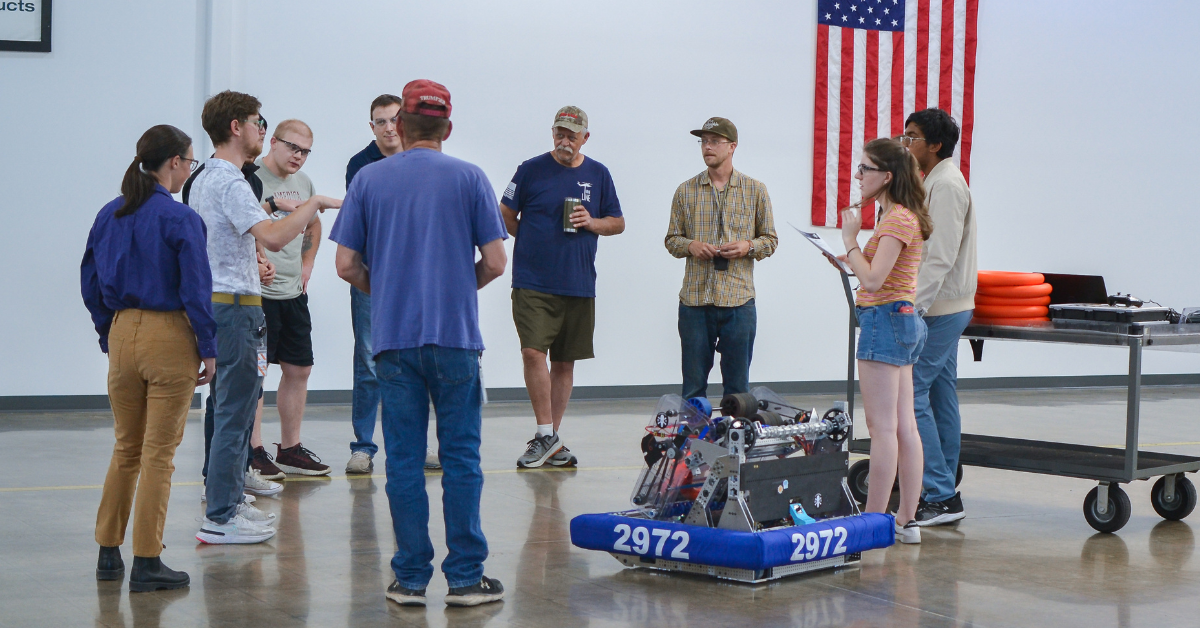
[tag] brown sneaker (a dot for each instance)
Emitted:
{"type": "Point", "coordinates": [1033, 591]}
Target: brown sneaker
{"type": "Point", "coordinates": [300, 460]}
{"type": "Point", "coordinates": [261, 460]}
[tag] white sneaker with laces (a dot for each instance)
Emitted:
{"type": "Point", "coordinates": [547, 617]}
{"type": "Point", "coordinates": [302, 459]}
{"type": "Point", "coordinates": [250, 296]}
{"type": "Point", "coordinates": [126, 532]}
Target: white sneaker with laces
{"type": "Point", "coordinates": [237, 530]}
{"type": "Point", "coordinates": [431, 460]}
{"type": "Point", "coordinates": [256, 484]}
{"type": "Point", "coordinates": [910, 533]}
{"type": "Point", "coordinates": [254, 515]}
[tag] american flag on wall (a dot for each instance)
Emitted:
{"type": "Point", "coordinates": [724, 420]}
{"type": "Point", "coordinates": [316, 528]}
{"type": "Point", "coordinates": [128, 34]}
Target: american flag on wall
{"type": "Point", "coordinates": [877, 62]}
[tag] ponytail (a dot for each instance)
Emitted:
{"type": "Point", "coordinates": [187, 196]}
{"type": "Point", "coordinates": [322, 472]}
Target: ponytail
{"type": "Point", "coordinates": [157, 146]}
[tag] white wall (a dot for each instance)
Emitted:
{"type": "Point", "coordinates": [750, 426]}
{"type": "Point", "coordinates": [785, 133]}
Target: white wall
{"type": "Point", "coordinates": [1081, 161]}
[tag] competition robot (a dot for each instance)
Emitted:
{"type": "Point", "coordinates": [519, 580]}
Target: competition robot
{"type": "Point", "coordinates": [754, 495]}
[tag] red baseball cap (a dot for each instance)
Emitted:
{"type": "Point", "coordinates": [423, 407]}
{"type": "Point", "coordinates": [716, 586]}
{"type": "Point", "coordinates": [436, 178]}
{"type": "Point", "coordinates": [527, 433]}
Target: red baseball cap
{"type": "Point", "coordinates": [426, 98]}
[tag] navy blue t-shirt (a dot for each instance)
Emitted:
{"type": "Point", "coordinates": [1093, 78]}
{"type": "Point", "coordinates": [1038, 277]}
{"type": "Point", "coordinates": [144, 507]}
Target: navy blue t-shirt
{"type": "Point", "coordinates": [546, 258]}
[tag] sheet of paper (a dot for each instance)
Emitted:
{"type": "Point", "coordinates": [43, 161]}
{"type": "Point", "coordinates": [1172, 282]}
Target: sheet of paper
{"type": "Point", "coordinates": [820, 243]}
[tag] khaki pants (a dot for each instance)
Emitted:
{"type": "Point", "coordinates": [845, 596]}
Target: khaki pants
{"type": "Point", "coordinates": [153, 365]}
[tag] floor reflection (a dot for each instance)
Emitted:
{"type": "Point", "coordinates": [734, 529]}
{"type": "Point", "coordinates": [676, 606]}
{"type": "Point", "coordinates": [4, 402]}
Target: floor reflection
{"type": "Point", "coordinates": [546, 556]}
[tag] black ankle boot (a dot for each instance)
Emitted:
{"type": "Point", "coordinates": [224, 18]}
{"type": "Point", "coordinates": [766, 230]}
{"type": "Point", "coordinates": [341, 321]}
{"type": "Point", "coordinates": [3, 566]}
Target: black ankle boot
{"type": "Point", "coordinates": [110, 566]}
{"type": "Point", "coordinates": [150, 574]}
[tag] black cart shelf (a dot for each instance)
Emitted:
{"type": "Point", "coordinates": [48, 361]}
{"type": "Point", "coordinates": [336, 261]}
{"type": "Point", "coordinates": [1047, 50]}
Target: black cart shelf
{"type": "Point", "coordinates": [1106, 507]}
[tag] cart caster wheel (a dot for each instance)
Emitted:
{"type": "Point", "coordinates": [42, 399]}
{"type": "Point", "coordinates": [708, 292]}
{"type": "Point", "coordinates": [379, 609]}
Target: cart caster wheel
{"type": "Point", "coordinates": [958, 476]}
{"type": "Point", "coordinates": [1115, 516]}
{"type": "Point", "coordinates": [1182, 504]}
{"type": "Point", "coordinates": [857, 479]}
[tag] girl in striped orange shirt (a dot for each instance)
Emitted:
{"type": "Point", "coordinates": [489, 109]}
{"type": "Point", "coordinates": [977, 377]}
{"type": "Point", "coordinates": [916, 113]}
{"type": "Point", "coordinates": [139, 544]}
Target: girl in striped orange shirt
{"type": "Point", "coordinates": [891, 332]}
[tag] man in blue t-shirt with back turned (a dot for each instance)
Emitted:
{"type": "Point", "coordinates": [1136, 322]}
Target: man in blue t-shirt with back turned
{"type": "Point", "coordinates": [557, 206]}
{"type": "Point", "coordinates": [407, 235]}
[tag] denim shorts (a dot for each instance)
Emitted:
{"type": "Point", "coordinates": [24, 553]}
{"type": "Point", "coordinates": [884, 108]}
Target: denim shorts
{"type": "Point", "coordinates": [888, 335]}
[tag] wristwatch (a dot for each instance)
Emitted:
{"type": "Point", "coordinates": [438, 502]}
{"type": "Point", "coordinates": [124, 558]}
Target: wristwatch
{"type": "Point", "coordinates": [271, 202]}
{"type": "Point", "coordinates": [750, 253]}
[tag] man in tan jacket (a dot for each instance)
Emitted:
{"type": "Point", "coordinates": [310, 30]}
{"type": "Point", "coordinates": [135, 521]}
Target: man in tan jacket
{"type": "Point", "coordinates": [946, 300]}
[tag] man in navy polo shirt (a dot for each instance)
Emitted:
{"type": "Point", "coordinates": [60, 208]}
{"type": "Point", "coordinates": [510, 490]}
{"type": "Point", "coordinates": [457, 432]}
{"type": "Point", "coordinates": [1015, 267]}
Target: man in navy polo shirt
{"type": "Point", "coordinates": [407, 235]}
{"type": "Point", "coordinates": [554, 272]}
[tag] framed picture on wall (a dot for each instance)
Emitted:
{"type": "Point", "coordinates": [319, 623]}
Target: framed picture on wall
{"type": "Point", "coordinates": [25, 25]}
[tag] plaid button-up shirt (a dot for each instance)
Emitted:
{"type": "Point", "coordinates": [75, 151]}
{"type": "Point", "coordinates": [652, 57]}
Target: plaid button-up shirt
{"type": "Point", "coordinates": [746, 216]}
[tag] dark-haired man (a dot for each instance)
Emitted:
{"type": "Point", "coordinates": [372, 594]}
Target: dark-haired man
{"type": "Point", "coordinates": [721, 223]}
{"type": "Point", "coordinates": [407, 235]}
{"type": "Point", "coordinates": [554, 272]}
{"type": "Point", "coordinates": [235, 221]}
{"type": "Point", "coordinates": [364, 408]}
{"type": "Point", "coordinates": [946, 300]}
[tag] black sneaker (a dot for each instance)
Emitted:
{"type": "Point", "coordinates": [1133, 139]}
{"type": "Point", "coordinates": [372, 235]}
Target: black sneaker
{"type": "Point", "coordinates": [405, 597]}
{"type": "Point", "coordinates": [940, 513]}
{"type": "Point", "coordinates": [484, 591]}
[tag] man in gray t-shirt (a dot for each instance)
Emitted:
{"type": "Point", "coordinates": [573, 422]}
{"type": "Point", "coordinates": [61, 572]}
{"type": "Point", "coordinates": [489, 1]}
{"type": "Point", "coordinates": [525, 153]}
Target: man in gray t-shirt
{"type": "Point", "coordinates": [235, 221]}
{"type": "Point", "coordinates": [285, 303]}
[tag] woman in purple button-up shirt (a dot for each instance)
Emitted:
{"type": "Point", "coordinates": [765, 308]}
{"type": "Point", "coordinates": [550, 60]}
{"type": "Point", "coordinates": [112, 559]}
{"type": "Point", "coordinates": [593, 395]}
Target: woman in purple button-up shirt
{"type": "Point", "coordinates": [146, 280]}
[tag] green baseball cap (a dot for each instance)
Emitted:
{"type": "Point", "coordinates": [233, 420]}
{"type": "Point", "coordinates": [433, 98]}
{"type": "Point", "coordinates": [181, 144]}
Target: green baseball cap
{"type": "Point", "coordinates": [572, 119]}
{"type": "Point", "coordinates": [720, 126]}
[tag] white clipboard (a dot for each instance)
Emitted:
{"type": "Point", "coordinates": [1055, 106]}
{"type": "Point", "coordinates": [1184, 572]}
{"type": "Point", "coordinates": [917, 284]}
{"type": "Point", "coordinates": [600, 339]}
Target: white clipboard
{"type": "Point", "coordinates": [816, 240]}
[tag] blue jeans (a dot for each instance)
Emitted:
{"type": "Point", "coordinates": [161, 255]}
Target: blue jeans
{"type": "Point", "coordinates": [365, 403]}
{"type": "Point", "coordinates": [241, 333]}
{"type": "Point", "coordinates": [729, 330]}
{"type": "Point", "coordinates": [408, 379]}
{"type": "Point", "coordinates": [935, 399]}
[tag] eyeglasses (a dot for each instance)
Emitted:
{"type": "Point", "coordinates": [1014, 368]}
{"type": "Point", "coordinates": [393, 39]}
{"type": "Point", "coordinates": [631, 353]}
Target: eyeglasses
{"type": "Point", "coordinates": [261, 123]}
{"type": "Point", "coordinates": [713, 143]}
{"type": "Point", "coordinates": [303, 152]}
{"type": "Point", "coordinates": [907, 140]}
{"type": "Point", "coordinates": [863, 168]}
{"type": "Point", "coordinates": [192, 163]}
{"type": "Point", "coordinates": [382, 122]}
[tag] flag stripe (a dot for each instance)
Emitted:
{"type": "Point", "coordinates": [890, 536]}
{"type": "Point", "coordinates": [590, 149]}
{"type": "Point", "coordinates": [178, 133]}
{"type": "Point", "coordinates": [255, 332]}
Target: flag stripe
{"type": "Point", "coordinates": [956, 91]}
{"type": "Point", "coordinates": [946, 80]}
{"type": "Point", "coordinates": [898, 70]}
{"type": "Point", "coordinates": [820, 123]}
{"type": "Point", "coordinates": [921, 86]}
{"type": "Point", "coordinates": [834, 141]}
{"type": "Point", "coordinates": [846, 130]}
{"type": "Point", "coordinates": [934, 48]}
{"type": "Point", "coordinates": [968, 115]}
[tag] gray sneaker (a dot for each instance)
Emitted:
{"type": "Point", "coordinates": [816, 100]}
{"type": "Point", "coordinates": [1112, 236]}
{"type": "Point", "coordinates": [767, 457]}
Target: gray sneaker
{"type": "Point", "coordinates": [538, 450]}
{"type": "Point", "coordinates": [360, 463]}
{"type": "Point", "coordinates": [431, 460]}
{"type": "Point", "coordinates": [564, 458]}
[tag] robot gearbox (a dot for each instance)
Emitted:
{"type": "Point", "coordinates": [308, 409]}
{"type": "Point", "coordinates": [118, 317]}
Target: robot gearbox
{"type": "Point", "coordinates": [753, 495]}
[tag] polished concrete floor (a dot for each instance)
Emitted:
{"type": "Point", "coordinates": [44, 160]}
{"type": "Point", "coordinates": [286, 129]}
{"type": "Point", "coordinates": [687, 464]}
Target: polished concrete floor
{"type": "Point", "coordinates": [1023, 557]}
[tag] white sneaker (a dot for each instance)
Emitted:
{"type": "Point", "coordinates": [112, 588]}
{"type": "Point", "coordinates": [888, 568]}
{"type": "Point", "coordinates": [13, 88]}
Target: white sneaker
{"type": "Point", "coordinates": [254, 515]}
{"type": "Point", "coordinates": [256, 484]}
{"type": "Point", "coordinates": [360, 463]}
{"type": "Point", "coordinates": [910, 533]}
{"type": "Point", "coordinates": [237, 530]}
{"type": "Point", "coordinates": [431, 460]}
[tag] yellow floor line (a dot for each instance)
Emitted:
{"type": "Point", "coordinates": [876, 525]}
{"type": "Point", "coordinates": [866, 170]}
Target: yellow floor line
{"type": "Point", "coordinates": [29, 489]}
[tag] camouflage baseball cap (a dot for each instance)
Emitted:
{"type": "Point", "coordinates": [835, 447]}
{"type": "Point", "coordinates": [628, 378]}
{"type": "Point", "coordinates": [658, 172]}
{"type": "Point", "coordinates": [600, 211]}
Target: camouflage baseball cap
{"type": "Point", "coordinates": [572, 119]}
{"type": "Point", "coordinates": [720, 126]}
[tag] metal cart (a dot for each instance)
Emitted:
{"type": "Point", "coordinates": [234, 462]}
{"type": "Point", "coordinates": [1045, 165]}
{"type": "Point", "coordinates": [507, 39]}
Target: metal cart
{"type": "Point", "coordinates": [1107, 506]}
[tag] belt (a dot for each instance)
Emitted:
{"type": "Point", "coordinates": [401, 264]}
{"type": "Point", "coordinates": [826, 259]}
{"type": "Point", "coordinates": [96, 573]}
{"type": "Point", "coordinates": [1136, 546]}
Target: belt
{"type": "Point", "coordinates": [237, 299]}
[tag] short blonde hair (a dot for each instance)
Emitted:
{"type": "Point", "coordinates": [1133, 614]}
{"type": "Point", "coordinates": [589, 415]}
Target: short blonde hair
{"type": "Point", "coordinates": [293, 125]}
